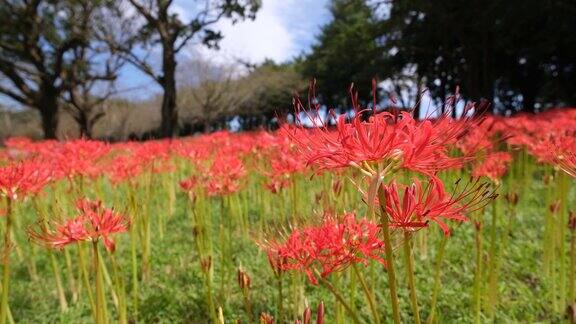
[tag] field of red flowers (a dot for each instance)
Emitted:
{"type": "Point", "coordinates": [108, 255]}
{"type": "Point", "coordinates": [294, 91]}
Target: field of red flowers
{"type": "Point", "coordinates": [377, 219]}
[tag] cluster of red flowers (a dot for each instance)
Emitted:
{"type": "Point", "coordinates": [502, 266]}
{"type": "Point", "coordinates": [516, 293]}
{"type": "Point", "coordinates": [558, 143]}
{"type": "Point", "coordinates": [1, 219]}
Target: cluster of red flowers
{"type": "Point", "coordinates": [283, 162]}
{"type": "Point", "coordinates": [221, 178]}
{"type": "Point", "coordinates": [92, 223]}
{"type": "Point", "coordinates": [396, 139]}
{"type": "Point", "coordinates": [20, 179]}
{"type": "Point", "coordinates": [494, 166]}
{"type": "Point", "coordinates": [331, 246]}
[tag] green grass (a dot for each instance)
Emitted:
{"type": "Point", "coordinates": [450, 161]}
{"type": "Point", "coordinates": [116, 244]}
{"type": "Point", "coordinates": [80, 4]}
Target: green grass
{"type": "Point", "coordinates": [175, 291]}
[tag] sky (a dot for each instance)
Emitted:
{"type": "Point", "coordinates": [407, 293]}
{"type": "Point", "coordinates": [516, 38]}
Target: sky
{"type": "Point", "coordinates": [282, 30]}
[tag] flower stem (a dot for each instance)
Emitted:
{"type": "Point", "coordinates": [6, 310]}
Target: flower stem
{"type": "Point", "coordinates": [340, 299]}
{"type": "Point", "coordinates": [99, 285]}
{"type": "Point", "coordinates": [85, 278]}
{"type": "Point", "coordinates": [437, 273]}
{"type": "Point", "coordinates": [410, 269]}
{"type": "Point", "coordinates": [120, 291]}
{"type": "Point", "coordinates": [478, 276]}
{"type": "Point", "coordinates": [572, 274]}
{"type": "Point", "coordinates": [389, 257]}
{"type": "Point", "coordinates": [369, 295]}
{"type": "Point", "coordinates": [6, 261]}
{"type": "Point", "coordinates": [493, 262]}
{"type": "Point", "coordinates": [59, 287]}
{"type": "Point", "coordinates": [280, 300]}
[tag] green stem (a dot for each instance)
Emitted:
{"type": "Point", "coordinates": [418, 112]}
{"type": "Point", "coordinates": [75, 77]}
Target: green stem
{"type": "Point", "coordinates": [71, 281]}
{"type": "Point", "coordinates": [368, 293]}
{"type": "Point", "coordinates": [340, 299]}
{"type": "Point", "coordinates": [437, 273]}
{"type": "Point", "coordinates": [120, 291]}
{"type": "Point", "coordinates": [134, 259]}
{"type": "Point", "coordinates": [410, 269]}
{"type": "Point", "coordinates": [280, 300]}
{"type": "Point", "coordinates": [209, 297]}
{"type": "Point", "coordinates": [83, 268]}
{"type": "Point", "coordinates": [572, 275]}
{"type": "Point", "coordinates": [389, 257]}
{"type": "Point", "coordinates": [59, 287]}
{"type": "Point", "coordinates": [493, 262]}
{"type": "Point", "coordinates": [100, 315]}
{"type": "Point", "coordinates": [248, 305]}
{"type": "Point", "coordinates": [478, 277]}
{"type": "Point", "coordinates": [6, 257]}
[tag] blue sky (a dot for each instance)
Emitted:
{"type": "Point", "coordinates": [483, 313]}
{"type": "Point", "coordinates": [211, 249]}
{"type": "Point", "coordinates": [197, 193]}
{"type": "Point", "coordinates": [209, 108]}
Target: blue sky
{"type": "Point", "coordinates": [282, 30]}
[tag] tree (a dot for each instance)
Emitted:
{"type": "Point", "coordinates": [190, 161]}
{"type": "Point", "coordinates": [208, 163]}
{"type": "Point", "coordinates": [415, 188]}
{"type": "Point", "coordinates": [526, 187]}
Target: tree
{"type": "Point", "coordinates": [269, 90]}
{"type": "Point", "coordinates": [209, 93]}
{"type": "Point", "coordinates": [165, 28]}
{"type": "Point", "coordinates": [36, 37]}
{"type": "Point", "coordinates": [94, 68]}
{"type": "Point", "coordinates": [516, 53]}
{"type": "Point", "coordinates": [347, 51]}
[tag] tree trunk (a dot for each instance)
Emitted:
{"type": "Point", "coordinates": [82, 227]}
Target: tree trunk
{"type": "Point", "coordinates": [169, 113]}
{"type": "Point", "coordinates": [48, 106]}
{"type": "Point", "coordinates": [84, 124]}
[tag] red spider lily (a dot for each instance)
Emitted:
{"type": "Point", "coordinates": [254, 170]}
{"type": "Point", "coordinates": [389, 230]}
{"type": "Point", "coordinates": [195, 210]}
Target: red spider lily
{"type": "Point", "coordinates": [494, 166]}
{"type": "Point", "coordinates": [329, 247]}
{"type": "Point", "coordinates": [421, 204]}
{"type": "Point", "coordinates": [123, 168]}
{"type": "Point", "coordinates": [23, 178]}
{"type": "Point", "coordinates": [391, 139]}
{"type": "Point", "coordinates": [78, 158]}
{"type": "Point", "coordinates": [93, 222]}
{"type": "Point", "coordinates": [284, 163]}
{"type": "Point", "coordinates": [223, 177]}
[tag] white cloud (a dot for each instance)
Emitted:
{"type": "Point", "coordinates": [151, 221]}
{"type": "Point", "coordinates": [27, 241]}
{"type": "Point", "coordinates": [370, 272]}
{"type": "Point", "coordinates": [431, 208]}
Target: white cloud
{"type": "Point", "coordinates": [282, 29]}
{"type": "Point", "coordinates": [255, 41]}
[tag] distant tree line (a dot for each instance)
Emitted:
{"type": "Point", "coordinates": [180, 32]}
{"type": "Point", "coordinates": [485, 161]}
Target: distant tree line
{"type": "Point", "coordinates": [64, 57]}
{"type": "Point", "coordinates": [518, 54]}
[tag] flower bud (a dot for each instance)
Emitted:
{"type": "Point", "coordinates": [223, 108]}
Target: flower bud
{"type": "Point", "coordinates": [320, 314]}
{"type": "Point", "coordinates": [243, 279]}
{"type": "Point", "coordinates": [572, 221]}
{"type": "Point", "coordinates": [206, 264]}
{"type": "Point", "coordinates": [307, 315]}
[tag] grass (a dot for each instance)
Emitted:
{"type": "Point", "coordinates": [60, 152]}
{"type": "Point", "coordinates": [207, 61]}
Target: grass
{"type": "Point", "coordinates": [175, 291]}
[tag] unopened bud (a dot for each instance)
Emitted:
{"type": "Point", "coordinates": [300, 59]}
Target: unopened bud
{"type": "Point", "coordinates": [512, 198]}
{"type": "Point", "coordinates": [478, 225]}
{"type": "Point", "coordinates": [243, 279]}
{"type": "Point", "coordinates": [572, 221]}
{"type": "Point", "coordinates": [320, 314]}
{"type": "Point", "coordinates": [307, 316]}
{"type": "Point", "coordinates": [206, 264]}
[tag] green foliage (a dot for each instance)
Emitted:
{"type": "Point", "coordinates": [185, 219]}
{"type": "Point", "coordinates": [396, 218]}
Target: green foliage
{"type": "Point", "coordinates": [492, 49]}
{"type": "Point", "coordinates": [347, 51]}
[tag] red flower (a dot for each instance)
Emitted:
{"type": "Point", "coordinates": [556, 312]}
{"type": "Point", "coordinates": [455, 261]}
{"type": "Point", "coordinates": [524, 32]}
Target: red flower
{"type": "Point", "coordinates": [383, 138]}
{"type": "Point", "coordinates": [328, 247]}
{"type": "Point", "coordinates": [223, 177]}
{"type": "Point", "coordinates": [494, 166]}
{"type": "Point", "coordinates": [78, 158]}
{"type": "Point", "coordinates": [421, 204]}
{"type": "Point", "coordinates": [93, 222]}
{"type": "Point", "coordinates": [24, 178]}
